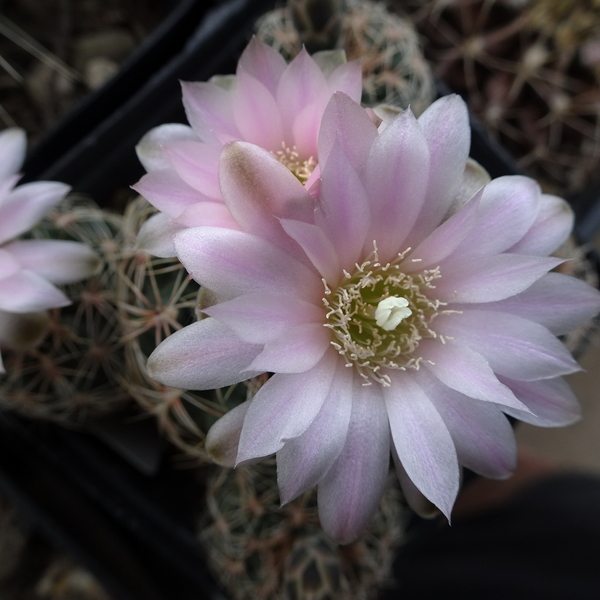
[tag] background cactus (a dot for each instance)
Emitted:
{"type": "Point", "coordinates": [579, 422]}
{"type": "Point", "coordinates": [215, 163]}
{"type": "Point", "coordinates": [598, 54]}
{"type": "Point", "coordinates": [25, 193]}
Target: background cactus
{"type": "Point", "coordinates": [394, 70]}
{"type": "Point", "coordinates": [258, 550]}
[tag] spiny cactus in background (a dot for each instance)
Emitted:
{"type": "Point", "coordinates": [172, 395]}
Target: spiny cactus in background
{"type": "Point", "coordinates": [155, 297]}
{"type": "Point", "coordinates": [530, 71]}
{"type": "Point", "coordinates": [72, 372]}
{"type": "Point", "coordinates": [394, 70]}
{"type": "Point", "coordinates": [258, 550]}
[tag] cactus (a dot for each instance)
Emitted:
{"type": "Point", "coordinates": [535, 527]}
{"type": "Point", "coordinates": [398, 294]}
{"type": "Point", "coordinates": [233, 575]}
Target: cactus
{"type": "Point", "coordinates": [72, 372]}
{"type": "Point", "coordinates": [394, 70]}
{"type": "Point", "coordinates": [257, 549]}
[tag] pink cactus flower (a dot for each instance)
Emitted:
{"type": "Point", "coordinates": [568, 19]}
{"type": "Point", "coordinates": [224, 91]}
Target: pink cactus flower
{"type": "Point", "coordinates": [406, 311]}
{"type": "Point", "coordinates": [30, 269]}
{"type": "Point", "coordinates": [274, 105]}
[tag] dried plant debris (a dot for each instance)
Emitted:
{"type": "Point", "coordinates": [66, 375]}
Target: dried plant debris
{"type": "Point", "coordinates": [530, 71]}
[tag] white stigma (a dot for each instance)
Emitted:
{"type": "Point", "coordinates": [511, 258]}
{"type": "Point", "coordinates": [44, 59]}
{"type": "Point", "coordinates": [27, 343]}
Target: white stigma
{"type": "Point", "coordinates": [391, 311]}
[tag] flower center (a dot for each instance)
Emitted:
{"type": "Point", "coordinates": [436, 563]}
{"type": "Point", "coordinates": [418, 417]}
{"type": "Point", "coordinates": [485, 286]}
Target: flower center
{"type": "Point", "coordinates": [379, 314]}
{"type": "Point", "coordinates": [290, 158]}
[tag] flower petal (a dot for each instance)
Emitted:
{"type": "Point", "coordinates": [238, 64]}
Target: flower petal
{"type": "Point", "coordinates": [197, 164]}
{"type": "Point", "coordinates": [397, 169]}
{"type": "Point", "coordinates": [295, 351]}
{"type": "Point", "coordinates": [343, 208]}
{"type": "Point", "coordinates": [202, 356]}
{"type": "Point", "coordinates": [347, 78]}
{"type": "Point", "coordinates": [422, 441]}
{"type": "Point", "coordinates": [263, 63]}
{"type": "Point", "coordinates": [467, 372]}
{"type": "Point", "coordinates": [231, 263]}
{"type": "Point", "coordinates": [26, 205]}
{"type": "Point", "coordinates": [209, 214]}
{"type": "Point", "coordinates": [551, 401]}
{"type": "Point", "coordinates": [283, 409]}
{"type": "Point", "coordinates": [258, 189]}
{"type": "Point", "coordinates": [552, 226]}
{"type": "Point", "coordinates": [317, 247]}
{"type": "Point", "coordinates": [13, 145]}
{"type": "Point", "coordinates": [26, 292]}
{"type": "Point", "coordinates": [413, 496]}
{"type": "Point", "coordinates": [167, 192]}
{"type": "Point", "coordinates": [58, 261]}
{"type": "Point", "coordinates": [482, 435]}
{"type": "Point", "coordinates": [507, 210]}
{"type": "Point", "coordinates": [156, 236]}
{"type": "Point", "coordinates": [303, 461]}
{"type": "Point", "coordinates": [556, 301]}
{"type": "Point", "coordinates": [223, 437]}
{"type": "Point", "coordinates": [257, 115]}
{"type": "Point", "coordinates": [445, 127]}
{"type": "Point", "coordinates": [209, 110]}
{"type": "Point", "coordinates": [260, 318]}
{"type": "Point", "coordinates": [348, 123]}
{"type": "Point", "coordinates": [350, 492]}
{"type": "Point", "coordinates": [513, 346]}
{"type": "Point", "coordinates": [490, 278]}
{"type": "Point", "coordinates": [151, 148]}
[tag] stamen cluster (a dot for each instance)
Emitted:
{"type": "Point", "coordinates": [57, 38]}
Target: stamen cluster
{"type": "Point", "coordinates": [367, 346]}
{"type": "Point", "coordinates": [290, 158]}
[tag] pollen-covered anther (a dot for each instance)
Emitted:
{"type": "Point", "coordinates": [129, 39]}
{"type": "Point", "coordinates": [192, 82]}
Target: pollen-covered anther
{"type": "Point", "coordinates": [290, 158]}
{"type": "Point", "coordinates": [379, 314]}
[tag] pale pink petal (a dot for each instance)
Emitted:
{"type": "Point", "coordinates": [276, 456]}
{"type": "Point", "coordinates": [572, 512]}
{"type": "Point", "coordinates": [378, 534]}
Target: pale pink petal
{"type": "Point", "coordinates": [507, 210]}
{"type": "Point", "coordinates": [151, 148]}
{"type": "Point", "coordinates": [26, 292]}
{"type": "Point", "coordinates": [350, 492]}
{"type": "Point", "coordinates": [209, 214]}
{"type": "Point", "coordinates": [329, 60]}
{"type": "Point", "coordinates": [513, 346]}
{"type": "Point", "coordinates": [317, 247]}
{"type": "Point", "coordinates": [305, 130]}
{"type": "Point", "coordinates": [422, 441]}
{"type": "Point", "coordinates": [348, 123]}
{"type": "Point", "coordinates": [397, 172]}
{"type": "Point", "coordinates": [303, 461]}
{"type": "Point", "coordinates": [260, 318]}
{"type": "Point", "coordinates": [467, 372]}
{"type": "Point", "coordinates": [257, 115]}
{"type": "Point", "coordinates": [6, 186]}
{"type": "Point", "coordinates": [559, 302]}
{"type": "Point", "coordinates": [167, 192]}
{"type": "Point", "coordinates": [444, 239]}
{"type": "Point", "coordinates": [8, 264]}
{"type": "Point", "coordinates": [258, 189]}
{"type": "Point", "coordinates": [343, 207]}
{"type": "Point", "coordinates": [551, 401]}
{"type": "Point", "coordinates": [209, 110]}
{"type": "Point", "coordinates": [202, 356]}
{"type": "Point", "coordinates": [295, 351]}
{"type": "Point", "coordinates": [263, 63]}
{"type": "Point", "coordinates": [197, 164]}
{"type": "Point", "coordinates": [58, 261]}
{"type": "Point", "coordinates": [490, 278]}
{"type": "Point", "coordinates": [482, 435]}
{"type": "Point", "coordinates": [413, 496]}
{"type": "Point", "coordinates": [283, 409]}
{"type": "Point", "coordinates": [223, 437]}
{"type": "Point", "coordinates": [13, 145]}
{"type": "Point", "coordinates": [301, 84]}
{"type": "Point", "coordinates": [26, 205]}
{"type": "Point", "coordinates": [156, 236]}
{"type": "Point", "coordinates": [445, 127]}
{"type": "Point", "coordinates": [231, 263]}
{"type": "Point", "coordinates": [347, 78]}
{"type": "Point", "coordinates": [552, 226]}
